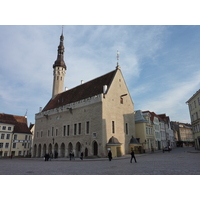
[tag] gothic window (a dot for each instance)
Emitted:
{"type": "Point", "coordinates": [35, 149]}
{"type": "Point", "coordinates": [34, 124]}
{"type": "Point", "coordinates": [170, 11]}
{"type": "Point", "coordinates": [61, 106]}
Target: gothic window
{"type": "Point", "coordinates": [87, 127]}
{"type": "Point", "coordinates": [126, 129]}
{"type": "Point", "coordinates": [64, 130]}
{"type": "Point", "coordinates": [75, 129]}
{"type": "Point", "coordinates": [113, 127]}
{"type": "Point", "coordinates": [68, 129]}
{"type": "Point", "coordinates": [79, 128]}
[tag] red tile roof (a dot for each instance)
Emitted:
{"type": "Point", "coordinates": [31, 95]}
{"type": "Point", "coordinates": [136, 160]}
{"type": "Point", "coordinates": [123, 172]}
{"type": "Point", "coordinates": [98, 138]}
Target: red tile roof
{"type": "Point", "coordinates": [19, 122]}
{"type": "Point", "coordinates": [86, 90]}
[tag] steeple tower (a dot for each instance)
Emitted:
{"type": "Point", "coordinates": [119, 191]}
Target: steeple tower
{"type": "Point", "coordinates": [59, 69]}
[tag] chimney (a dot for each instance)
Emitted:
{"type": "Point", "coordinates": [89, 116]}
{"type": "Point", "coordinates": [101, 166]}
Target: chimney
{"type": "Point", "coordinates": [40, 109]}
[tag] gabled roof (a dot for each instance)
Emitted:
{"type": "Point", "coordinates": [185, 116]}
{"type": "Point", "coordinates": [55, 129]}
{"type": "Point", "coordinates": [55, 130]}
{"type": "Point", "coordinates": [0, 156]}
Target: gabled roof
{"type": "Point", "coordinates": [86, 90]}
{"type": "Point", "coordinates": [19, 122]}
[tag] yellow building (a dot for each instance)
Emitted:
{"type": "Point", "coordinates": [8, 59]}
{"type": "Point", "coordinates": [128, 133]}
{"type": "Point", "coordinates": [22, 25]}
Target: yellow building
{"type": "Point", "coordinates": [15, 137]}
{"type": "Point", "coordinates": [194, 109]}
{"type": "Point", "coordinates": [145, 130]}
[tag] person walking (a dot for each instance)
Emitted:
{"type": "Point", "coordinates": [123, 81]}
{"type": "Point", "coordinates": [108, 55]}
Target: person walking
{"type": "Point", "coordinates": [110, 155]}
{"type": "Point", "coordinates": [132, 156]}
{"type": "Point", "coordinates": [81, 157]}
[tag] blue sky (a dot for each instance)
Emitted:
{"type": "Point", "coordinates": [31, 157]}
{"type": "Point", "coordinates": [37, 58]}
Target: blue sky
{"type": "Point", "coordinates": [160, 64]}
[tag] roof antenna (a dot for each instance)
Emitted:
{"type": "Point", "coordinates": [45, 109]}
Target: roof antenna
{"type": "Point", "coordinates": [118, 67]}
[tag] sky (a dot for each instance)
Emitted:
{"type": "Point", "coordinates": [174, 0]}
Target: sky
{"type": "Point", "coordinates": [160, 64]}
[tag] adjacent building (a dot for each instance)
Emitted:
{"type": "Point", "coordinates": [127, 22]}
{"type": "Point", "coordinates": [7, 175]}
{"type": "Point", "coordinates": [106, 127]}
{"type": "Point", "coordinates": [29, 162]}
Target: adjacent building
{"type": "Point", "coordinates": [144, 130]}
{"type": "Point", "coordinates": [92, 118]}
{"type": "Point", "coordinates": [153, 131]}
{"type": "Point", "coordinates": [194, 110]}
{"type": "Point", "coordinates": [183, 134]}
{"type": "Point", "coordinates": [15, 136]}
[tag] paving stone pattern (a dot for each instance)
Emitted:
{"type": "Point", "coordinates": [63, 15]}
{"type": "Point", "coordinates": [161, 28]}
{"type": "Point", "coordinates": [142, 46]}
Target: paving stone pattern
{"type": "Point", "coordinates": [180, 161]}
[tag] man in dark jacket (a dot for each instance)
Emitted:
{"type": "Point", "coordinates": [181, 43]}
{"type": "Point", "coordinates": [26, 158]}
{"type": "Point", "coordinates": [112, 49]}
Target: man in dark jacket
{"type": "Point", "coordinates": [132, 156]}
{"type": "Point", "coordinates": [110, 155]}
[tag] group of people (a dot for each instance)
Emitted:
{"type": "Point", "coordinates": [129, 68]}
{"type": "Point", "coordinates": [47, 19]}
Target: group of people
{"type": "Point", "coordinates": [48, 156]}
{"type": "Point", "coordinates": [71, 155]}
{"type": "Point", "coordinates": [132, 156]}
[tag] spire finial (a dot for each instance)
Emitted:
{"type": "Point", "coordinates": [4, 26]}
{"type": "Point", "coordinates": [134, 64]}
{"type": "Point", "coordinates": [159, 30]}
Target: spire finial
{"type": "Point", "coordinates": [62, 29]}
{"type": "Point", "coordinates": [118, 67]}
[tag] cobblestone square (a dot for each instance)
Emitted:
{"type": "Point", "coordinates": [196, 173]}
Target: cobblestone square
{"type": "Point", "coordinates": [180, 161]}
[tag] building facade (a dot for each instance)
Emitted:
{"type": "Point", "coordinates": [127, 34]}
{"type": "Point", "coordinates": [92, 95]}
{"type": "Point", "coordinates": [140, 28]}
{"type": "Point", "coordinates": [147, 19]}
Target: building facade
{"type": "Point", "coordinates": [183, 134]}
{"type": "Point", "coordinates": [15, 137]}
{"type": "Point", "coordinates": [92, 118]}
{"type": "Point", "coordinates": [194, 110]}
{"type": "Point", "coordinates": [145, 130]}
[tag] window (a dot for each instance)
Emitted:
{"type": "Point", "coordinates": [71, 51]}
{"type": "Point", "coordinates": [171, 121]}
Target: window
{"type": "Point", "coordinates": [56, 132]}
{"type": "Point", "coordinates": [2, 136]}
{"type": "Point", "coordinates": [15, 137]}
{"type": "Point", "coordinates": [75, 129]}
{"type": "Point", "coordinates": [52, 131]}
{"type": "Point", "coordinates": [194, 104]}
{"type": "Point", "coordinates": [1, 145]}
{"type": "Point", "coordinates": [79, 128]}
{"type": "Point", "coordinates": [121, 100]}
{"type": "Point", "coordinates": [4, 127]}
{"type": "Point", "coordinates": [113, 127]}
{"type": "Point", "coordinates": [40, 134]}
{"type": "Point", "coordinates": [87, 127]}
{"type": "Point", "coordinates": [68, 129]}
{"type": "Point", "coordinates": [7, 145]}
{"type": "Point", "coordinates": [126, 129]}
{"type": "Point", "coordinates": [26, 137]}
{"type": "Point", "coordinates": [9, 128]}
{"type": "Point", "coordinates": [48, 133]}
{"type": "Point", "coordinates": [199, 100]}
{"type": "Point", "coordinates": [64, 130]}
{"type": "Point", "coordinates": [14, 145]}
{"type": "Point", "coordinates": [8, 136]}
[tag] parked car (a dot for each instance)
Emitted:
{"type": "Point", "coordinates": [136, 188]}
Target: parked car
{"type": "Point", "coordinates": [167, 149]}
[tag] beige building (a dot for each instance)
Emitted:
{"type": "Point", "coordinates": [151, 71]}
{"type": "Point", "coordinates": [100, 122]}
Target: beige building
{"type": "Point", "coordinates": [92, 118]}
{"type": "Point", "coordinates": [15, 137]}
{"type": "Point", "coordinates": [145, 130]}
{"type": "Point", "coordinates": [194, 109]}
{"type": "Point", "coordinates": [183, 134]}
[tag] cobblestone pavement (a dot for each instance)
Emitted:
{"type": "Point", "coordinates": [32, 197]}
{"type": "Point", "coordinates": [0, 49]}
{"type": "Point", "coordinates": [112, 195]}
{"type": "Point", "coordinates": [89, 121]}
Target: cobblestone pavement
{"type": "Point", "coordinates": [180, 161]}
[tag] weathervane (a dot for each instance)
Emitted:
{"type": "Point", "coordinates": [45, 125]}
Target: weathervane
{"type": "Point", "coordinates": [62, 29]}
{"type": "Point", "coordinates": [118, 58]}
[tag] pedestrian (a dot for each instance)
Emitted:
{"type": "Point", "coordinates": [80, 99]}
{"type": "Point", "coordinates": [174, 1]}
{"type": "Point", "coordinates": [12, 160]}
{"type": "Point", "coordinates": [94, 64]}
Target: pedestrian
{"type": "Point", "coordinates": [70, 155]}
{"type": "Point", "coordinates": [110, 155]}
{"type": "Point", "coordinates": [50, 156]}
{"type": "Point", "coordinates": [163, 149]}
{"type": "Point", "coordinates": [73, 157]}
{"type": "Point", "coordinates": [132, 156]}
{"type": "Point", "coordinates": [11, 156]}
{"type": "Point", "coordinates": [81, 157]}
{"type": "Point", "coordinates": [47, 156]}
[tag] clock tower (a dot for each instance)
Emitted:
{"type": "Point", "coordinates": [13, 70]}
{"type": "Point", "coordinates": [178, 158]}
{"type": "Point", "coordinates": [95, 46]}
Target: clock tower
{"type": "Point", "coordinates": [59, 70]}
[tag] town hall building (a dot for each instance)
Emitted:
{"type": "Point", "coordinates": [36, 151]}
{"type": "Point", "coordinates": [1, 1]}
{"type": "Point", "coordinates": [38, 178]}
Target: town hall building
{"type": "Point", "coordinates": [93, 118]}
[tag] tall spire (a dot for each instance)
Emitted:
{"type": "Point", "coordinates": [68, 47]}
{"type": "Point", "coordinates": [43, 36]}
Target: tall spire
{"type": "Point", "coordinates": [60, 57]}
{"type": "Point", "coordinates": [59, 69]}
